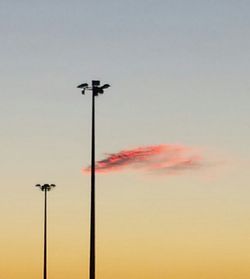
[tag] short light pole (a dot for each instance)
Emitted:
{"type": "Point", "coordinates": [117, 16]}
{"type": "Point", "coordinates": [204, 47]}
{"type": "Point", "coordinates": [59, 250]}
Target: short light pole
{"type": "Point", "coordinates": [45, 188]}
{"type": "Point", "coordinates": [96, 89]}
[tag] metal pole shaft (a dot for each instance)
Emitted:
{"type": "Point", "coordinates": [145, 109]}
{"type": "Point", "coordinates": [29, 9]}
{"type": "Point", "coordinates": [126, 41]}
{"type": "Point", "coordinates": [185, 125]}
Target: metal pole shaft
{"type": "Point", "coordinates": [92, 205]}
{"type": "Point", "coordinates": [45, 235]}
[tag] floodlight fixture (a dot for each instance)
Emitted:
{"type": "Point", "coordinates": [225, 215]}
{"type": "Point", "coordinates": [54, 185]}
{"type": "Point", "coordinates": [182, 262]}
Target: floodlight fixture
{"type": "Point", "coordinates": [45, 187]}
{"type": "Point", "coordinates": [95, 88]}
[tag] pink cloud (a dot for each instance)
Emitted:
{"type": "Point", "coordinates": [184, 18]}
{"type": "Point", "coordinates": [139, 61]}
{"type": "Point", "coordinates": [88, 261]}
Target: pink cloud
{"type": "Point", "coordinates": [164, 159]}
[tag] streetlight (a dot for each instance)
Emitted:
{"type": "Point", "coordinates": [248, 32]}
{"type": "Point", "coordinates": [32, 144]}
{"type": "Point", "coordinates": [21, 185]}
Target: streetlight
{"type": "Point", "coordinates": [45, 188]}
{"type": "Point", "coordinates": [96, 90]}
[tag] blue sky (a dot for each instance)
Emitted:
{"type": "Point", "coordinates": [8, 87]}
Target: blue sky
{"type": "Point", "coordinates": [176, 61]}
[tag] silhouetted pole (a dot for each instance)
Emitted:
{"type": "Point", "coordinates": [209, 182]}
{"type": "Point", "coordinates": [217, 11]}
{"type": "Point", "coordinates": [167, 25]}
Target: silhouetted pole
{"type": "Point", "coordinates": [45, 188]}
{"type": "Point", "coordinates": [92, 210]}
{"type": "Point", "coordinates": [92, 198]}
{"type": "Point", "coordinates": [45, 236]}
{"type": "Point", "coordinates": [96, 90]}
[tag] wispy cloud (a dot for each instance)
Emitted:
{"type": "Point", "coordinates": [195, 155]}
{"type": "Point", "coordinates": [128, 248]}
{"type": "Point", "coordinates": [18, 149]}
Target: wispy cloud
{"type": "Point", "coordinates": [162, 159]}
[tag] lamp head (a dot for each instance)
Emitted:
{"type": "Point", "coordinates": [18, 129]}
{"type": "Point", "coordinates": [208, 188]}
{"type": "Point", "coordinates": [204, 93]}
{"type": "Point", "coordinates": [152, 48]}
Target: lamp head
{"type": "Point", "coordinates": [95, 83]}
{"type": "Point", "coordinates": [105, 86]}
{"type": "Point", "coordinates": [83, 85]}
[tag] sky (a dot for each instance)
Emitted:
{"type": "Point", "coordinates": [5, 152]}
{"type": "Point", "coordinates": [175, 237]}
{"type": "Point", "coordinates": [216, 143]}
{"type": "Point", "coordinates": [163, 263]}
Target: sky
{"type": "Point", "coordinates": [179, 75]}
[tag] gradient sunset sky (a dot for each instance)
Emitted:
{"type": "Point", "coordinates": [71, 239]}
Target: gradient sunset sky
{"type": "Point", "coordinates": [179, 72]}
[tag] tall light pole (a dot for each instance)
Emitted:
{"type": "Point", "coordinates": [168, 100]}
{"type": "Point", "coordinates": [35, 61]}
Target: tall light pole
{"type": "Point", "coordinates": [96, 90]}
{"type": "Point", "coordinates": [45, 188]}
